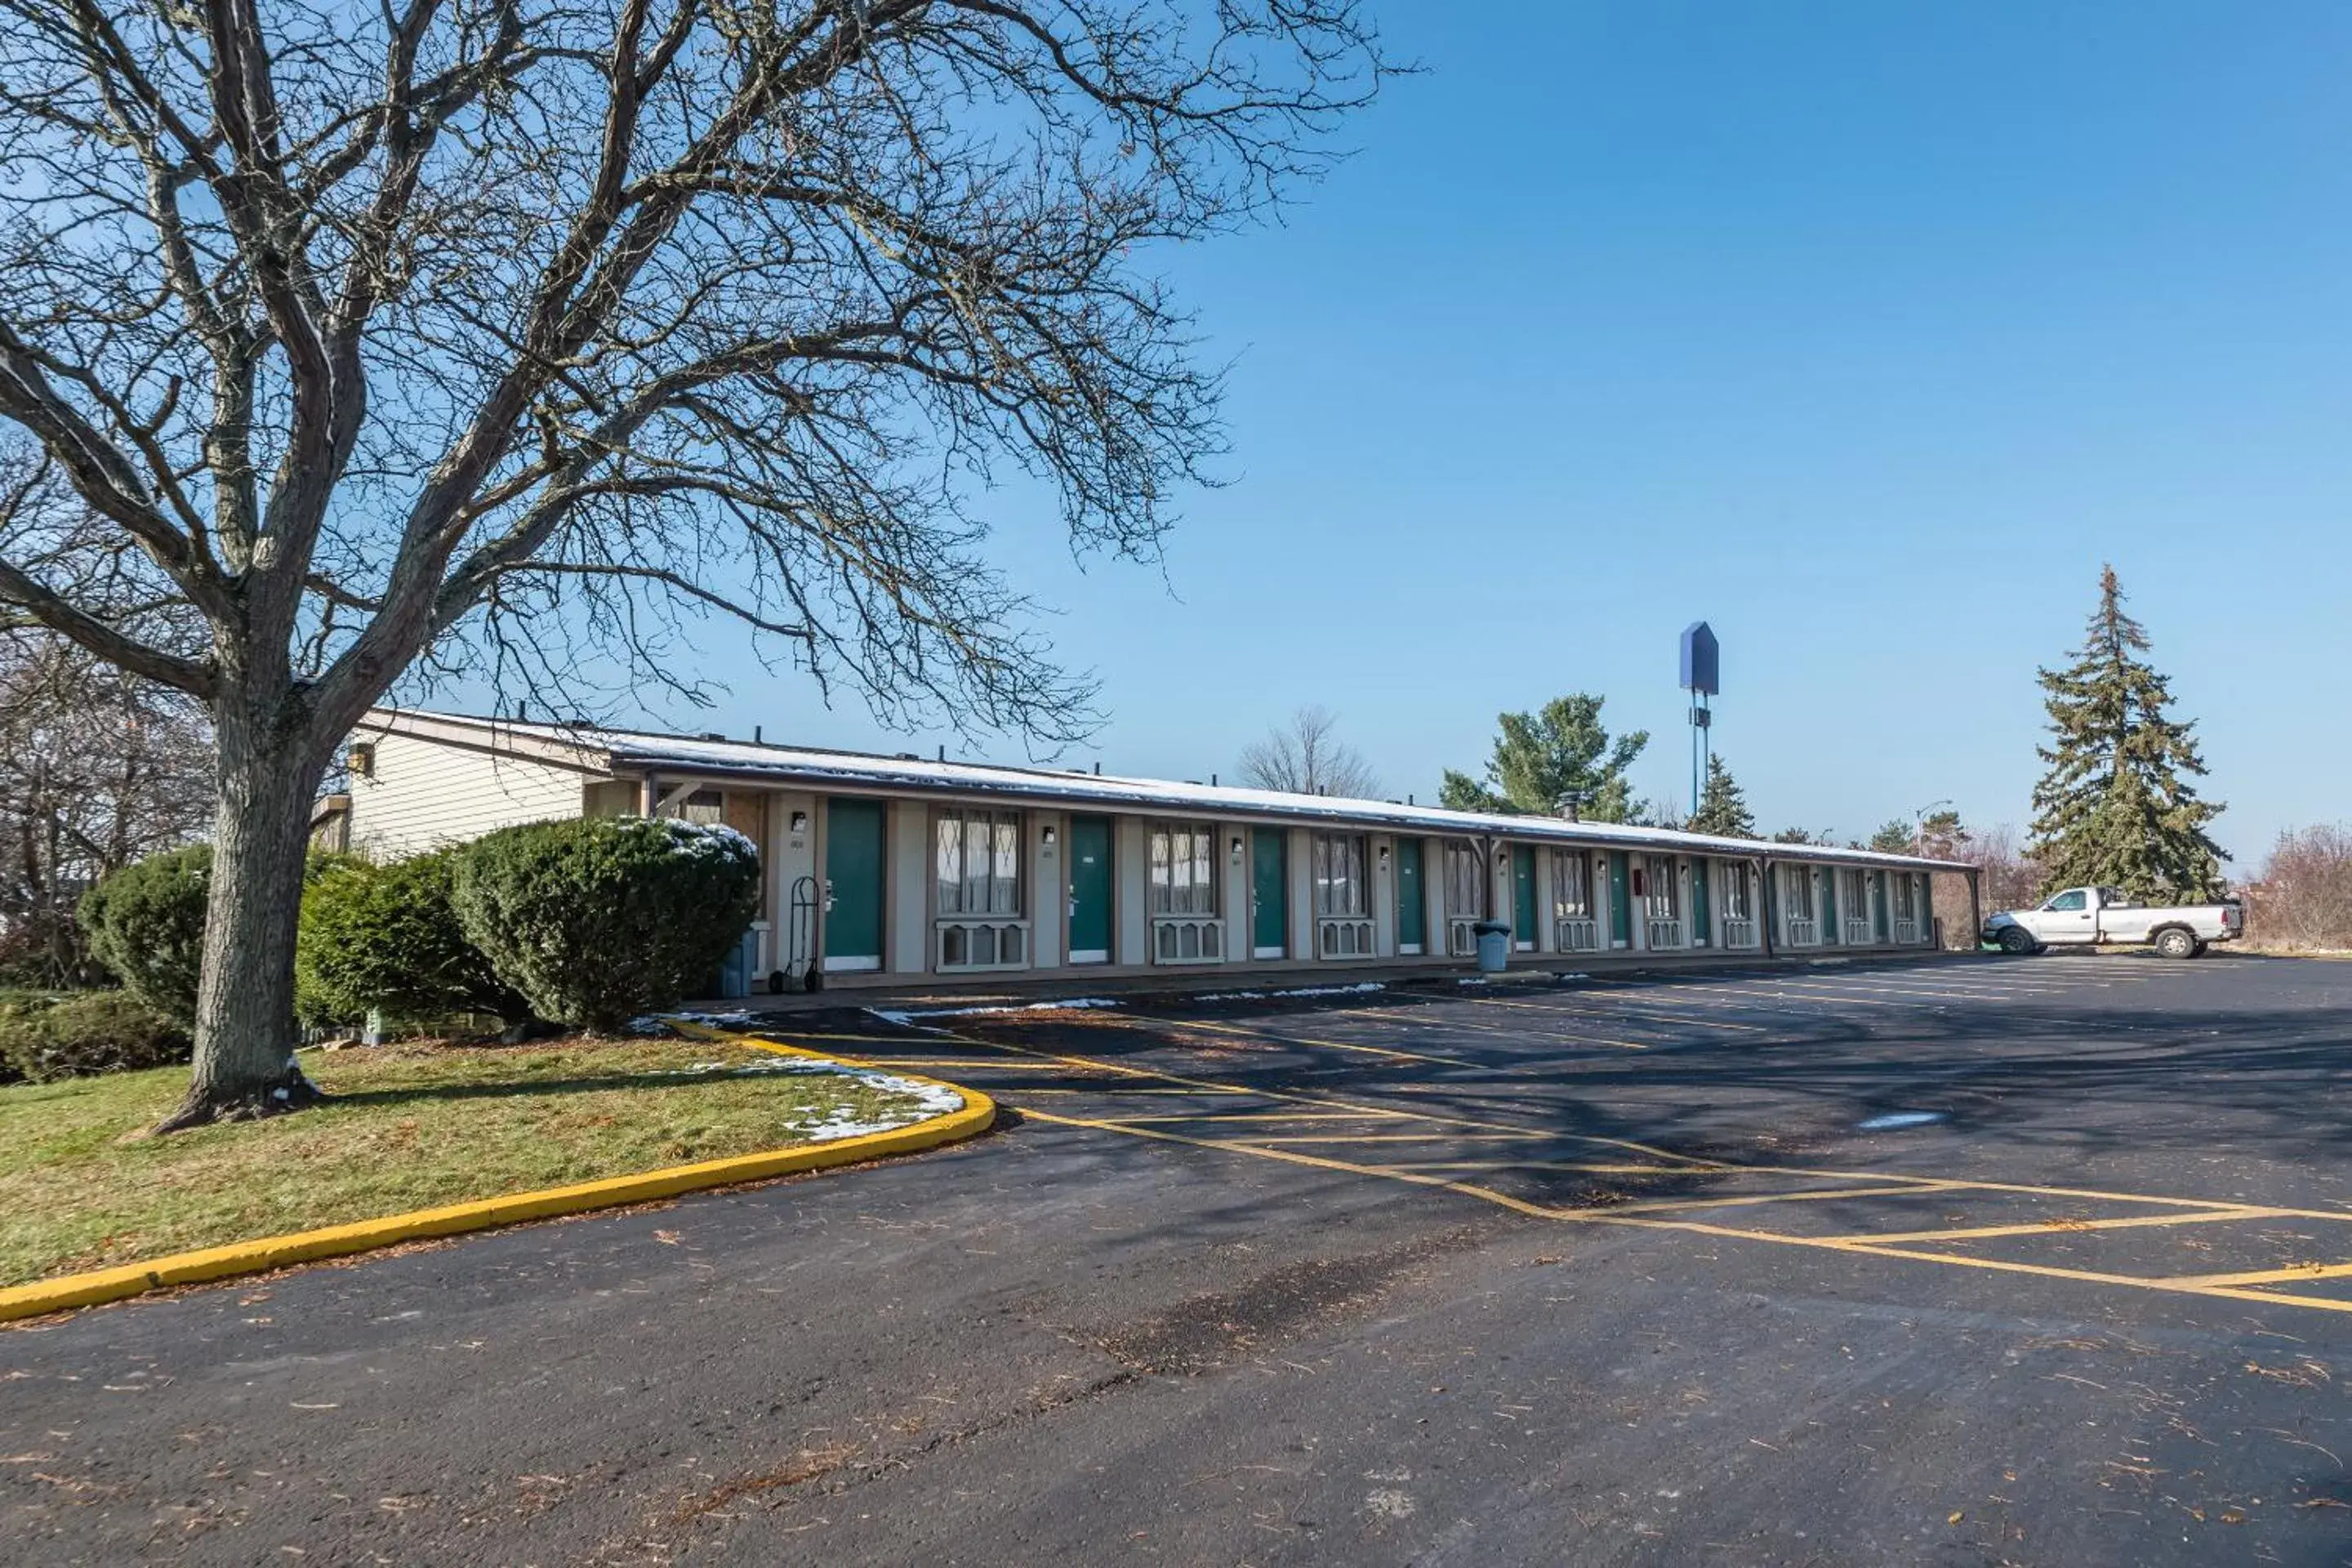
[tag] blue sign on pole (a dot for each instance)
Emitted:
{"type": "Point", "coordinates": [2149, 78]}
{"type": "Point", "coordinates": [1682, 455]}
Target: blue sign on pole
{"type": "Point", "coordinates": [1702, 659]}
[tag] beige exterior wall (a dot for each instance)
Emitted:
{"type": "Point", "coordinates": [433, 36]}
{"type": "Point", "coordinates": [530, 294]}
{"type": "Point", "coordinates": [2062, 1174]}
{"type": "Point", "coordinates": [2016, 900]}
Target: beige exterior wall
{"type": "Point", "coordinates": [1130, 866]}
{"type": "Point", "coordinates": [420, 795]}
{"type": "Point", "coordinates": [906, 881]}
{"type": "Point", "coordinates": [1234, 884]}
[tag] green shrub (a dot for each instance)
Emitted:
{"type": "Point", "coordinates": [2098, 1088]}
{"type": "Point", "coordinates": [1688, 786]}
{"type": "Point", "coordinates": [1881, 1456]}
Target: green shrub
{"type": "Point", "coordinates": [598, 919]}
{"type": "Point", "coordinates": [388, 937]}
{"type": "Point", "coordinates": [146, 924]}
{"type": "Point", "coordinates": [86, 1033]}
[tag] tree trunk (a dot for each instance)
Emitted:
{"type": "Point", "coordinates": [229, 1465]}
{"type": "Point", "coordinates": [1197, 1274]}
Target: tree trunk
{"type": "Point", "coordinates": [245, 1065]}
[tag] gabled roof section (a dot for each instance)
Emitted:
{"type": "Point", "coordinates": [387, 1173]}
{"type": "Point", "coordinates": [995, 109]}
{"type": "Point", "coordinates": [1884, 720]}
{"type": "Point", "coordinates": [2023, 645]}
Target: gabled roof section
{"type": "Point", "coordinates": [632, 752]}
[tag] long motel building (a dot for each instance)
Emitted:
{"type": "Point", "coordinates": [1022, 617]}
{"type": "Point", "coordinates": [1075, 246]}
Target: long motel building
{"type": "Point", "coordinates": [899, 871]}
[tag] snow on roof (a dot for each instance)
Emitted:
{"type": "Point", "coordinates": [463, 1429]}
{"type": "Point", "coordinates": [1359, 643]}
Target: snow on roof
{"type": "Point", "coordinates": [633, 751]}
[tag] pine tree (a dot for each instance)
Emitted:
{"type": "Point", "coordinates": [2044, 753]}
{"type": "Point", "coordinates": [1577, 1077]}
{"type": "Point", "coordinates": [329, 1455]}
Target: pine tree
{"type": "Point", "coordinates": [1722, 808]}
{"type": "Point", "coordinates": [1542, 759]}
{"type": "Point", "coordinates": [2117, 807]}
{"type": "Point", "coordinates": [1892, 837]}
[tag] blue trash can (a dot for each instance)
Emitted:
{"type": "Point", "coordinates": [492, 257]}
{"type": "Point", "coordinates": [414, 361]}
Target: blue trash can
{"type": "Point", "coordinates": [1494, 945]}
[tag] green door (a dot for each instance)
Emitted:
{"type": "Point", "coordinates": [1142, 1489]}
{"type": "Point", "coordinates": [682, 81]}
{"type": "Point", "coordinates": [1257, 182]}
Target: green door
{"type": "Point", "coordinates": [1522, 897]}
{"type": "Point", "coordinates": [1828, 880]}
{"type": "Point", "coordinates": [1621, 902]}
{"type": "Point", "coordinates": [1269, 892]}
{"type": "Point", "coordinates": [1412, 908]}
{"type": "Point", "coordinates": [1878, 905]}
{"type": "Point", "coordinates": [1702, 917]}
{"type": "Point", "coordinates": [1090, 886]}
{"type": "Point", "coordinates": [852, 883]}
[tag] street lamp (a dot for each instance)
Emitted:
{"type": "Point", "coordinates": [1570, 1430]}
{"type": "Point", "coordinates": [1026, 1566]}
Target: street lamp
{"type": "Point", "coordinates": [1919, 824]}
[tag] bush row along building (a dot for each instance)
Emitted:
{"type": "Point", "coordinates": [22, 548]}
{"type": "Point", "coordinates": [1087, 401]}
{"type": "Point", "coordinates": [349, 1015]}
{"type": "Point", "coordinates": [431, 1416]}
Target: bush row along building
{"type": "Point", "coordinates": [885, 870]}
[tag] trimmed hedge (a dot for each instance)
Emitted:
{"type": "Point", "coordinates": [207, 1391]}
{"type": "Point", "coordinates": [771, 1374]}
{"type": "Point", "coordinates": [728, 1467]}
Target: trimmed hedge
{"type": "Point", "coordinates": [146, 924]}
{"type": "Point", "coordinates": [388, 937]}
{"type": "Point", "coordinates": [598, 919]}
{"type": "Point", "coordinates": [84, 1033]}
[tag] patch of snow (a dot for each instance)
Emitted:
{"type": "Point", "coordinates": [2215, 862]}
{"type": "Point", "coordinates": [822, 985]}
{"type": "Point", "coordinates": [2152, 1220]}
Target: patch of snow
{"type": "Point", "coordinates": [906, 1018]}
{"type": "Point", "coordinates": [925, 1100]}
{"type": "Point", "coordinates": [1893, 1119]}
{"type": "Point", "coordinates": [1356, 989]}
{"type": "Point", "coordinates": [702, 839]}
{"type": "Point", "coordinates": [738, 1017]}
{"type": "Point", "coordinates": [1471, 980]}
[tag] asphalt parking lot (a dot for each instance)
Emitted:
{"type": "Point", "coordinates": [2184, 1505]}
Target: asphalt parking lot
{"type": "Point", "coordinates": [1970, 1261]}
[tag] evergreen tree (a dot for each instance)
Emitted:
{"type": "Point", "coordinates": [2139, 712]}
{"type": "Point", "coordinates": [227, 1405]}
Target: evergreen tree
{"type": "Point", "coordinates": [2117, 807]}
{"type": "Point", "coordinates": [1541, 759]}
{"type": "Point", "coordinates": [1893, 839]}
{"type": "Point", "coordinates": [1941, 835]}
{"type": "Point", "coordinates": [1722, 808]}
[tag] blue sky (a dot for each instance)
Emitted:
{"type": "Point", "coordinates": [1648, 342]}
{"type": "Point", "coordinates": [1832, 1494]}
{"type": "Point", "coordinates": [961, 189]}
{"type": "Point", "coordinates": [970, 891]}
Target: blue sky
{"type": "Point", "coordinates": [1864, 332]}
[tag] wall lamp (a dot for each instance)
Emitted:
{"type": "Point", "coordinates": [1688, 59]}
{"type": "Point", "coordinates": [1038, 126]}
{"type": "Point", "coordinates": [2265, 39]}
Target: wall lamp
{"type": "Point", "coordinates": [1237, 848]}
{"type": "Point", "coordinates": [1045, 836]}
{"type": "Point", "coordinates": [800, 822]}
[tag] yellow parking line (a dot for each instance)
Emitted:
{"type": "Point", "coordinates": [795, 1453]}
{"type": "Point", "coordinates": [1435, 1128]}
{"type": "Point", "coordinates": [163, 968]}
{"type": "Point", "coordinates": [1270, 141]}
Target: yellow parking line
{"type": "Point", "coordinates": [1673, 1204]}
{"type": "Point", "coordinates": [1274, 1037]}
{"type": "Point", "coordinates": [1291, 1156]}
{"type": "Point", "coordinates": [1522, 1033]}
{"type": "Point", "coordinates": [1259, 1116]}
{"type": "Point", "coordinates": [2265, 1276]}
{"type": "Point", "coordinates": [1447, 1135]}
{"type": "Point", "coordinates": [1754, 996]}
{"type": "Point", "coordinates": [1193, 1085]}
{"type": "Point", "coordinates": [1561, 1013]}
{"type": "Point", "coordinates": [1591, 1167]}
{"type": "Point", "coordinates": [2062, 1226]}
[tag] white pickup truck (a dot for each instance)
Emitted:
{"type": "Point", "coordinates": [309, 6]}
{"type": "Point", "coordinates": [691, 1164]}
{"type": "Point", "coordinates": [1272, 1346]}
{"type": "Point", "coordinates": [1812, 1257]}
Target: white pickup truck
{"type": "Point", "coordinates": [2080, 917]}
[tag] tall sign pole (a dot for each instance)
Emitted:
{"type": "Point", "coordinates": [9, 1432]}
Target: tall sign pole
{"type": "Point", "coordinates": [1701, 678]}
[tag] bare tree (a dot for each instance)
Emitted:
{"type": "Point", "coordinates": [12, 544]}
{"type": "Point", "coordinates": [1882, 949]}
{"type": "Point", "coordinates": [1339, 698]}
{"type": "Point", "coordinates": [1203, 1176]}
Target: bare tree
{"type": "Point", "coordinates": [490, 332]}
{"type": "Point", "coordinates": [2302, 899]}
{"type": "Point", "coordinates": [2008, 879]}
{"type": "Point", "coordinates": [1304, 756]}
{"type": "Point", "coordinates": [97, 768]}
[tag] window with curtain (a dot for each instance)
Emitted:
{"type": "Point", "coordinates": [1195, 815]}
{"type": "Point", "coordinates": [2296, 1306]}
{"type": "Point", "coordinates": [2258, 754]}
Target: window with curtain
{"type": "Point", "coordinates": [1905, 887]}
{"type": "Point", "coordinates": [1797, 891]}
{"type": "Point", "coordinates": [1735, 889]}
{"type": "Point", "coordinates": [1340, 890]}
{"type": "Point", "coordinates": [1183, 862]}
{"type": "Point", "coordinates": [1665, 897]}
{"type": "Point", "coordinates": [1465, 881]}
{"type": "Point", "coordinates": [979, 862]}
{"type": "Point", "coordinates": [1571, 885]}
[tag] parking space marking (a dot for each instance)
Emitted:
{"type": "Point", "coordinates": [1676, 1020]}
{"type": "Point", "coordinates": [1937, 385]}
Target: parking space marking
{"type": "Point", "coordinates": [2219, 1212]}
{"type": "Point", "coordinates": [1321, 1130]}
{"type": "Point", "coordinates": [1301, 1040]}
{"type": "Point", "coordinates": [1700, 1227]}
{"type": "Point", "coordinates": [1522, 1033]}
{"type": "Point", "coordinates": [1905, 1185]}
{"type": "Point", "coordinates": [2293, 1271]}
{"type": "Point", "coordinates": [1805, 985]}
{"type": "Point", "coordinates": [1666, 1019]}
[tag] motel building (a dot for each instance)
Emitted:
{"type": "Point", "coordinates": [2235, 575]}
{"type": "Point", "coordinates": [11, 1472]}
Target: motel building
{"type": "Point", "coordinates": [896, 870]}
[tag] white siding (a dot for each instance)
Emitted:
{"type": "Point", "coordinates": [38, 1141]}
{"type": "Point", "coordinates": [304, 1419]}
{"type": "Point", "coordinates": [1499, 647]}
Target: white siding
{"type": "Point", "coordinates": [423, 794]}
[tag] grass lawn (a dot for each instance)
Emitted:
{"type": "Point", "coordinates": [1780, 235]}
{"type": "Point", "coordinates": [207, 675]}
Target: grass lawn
{"type": "Point", "coordinates": [411, 1126]}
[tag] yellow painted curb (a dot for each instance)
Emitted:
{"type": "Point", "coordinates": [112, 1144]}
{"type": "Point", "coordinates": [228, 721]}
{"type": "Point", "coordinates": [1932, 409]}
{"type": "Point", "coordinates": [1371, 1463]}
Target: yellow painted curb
{"type": "Point", "coordinates": [486, 1214]}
